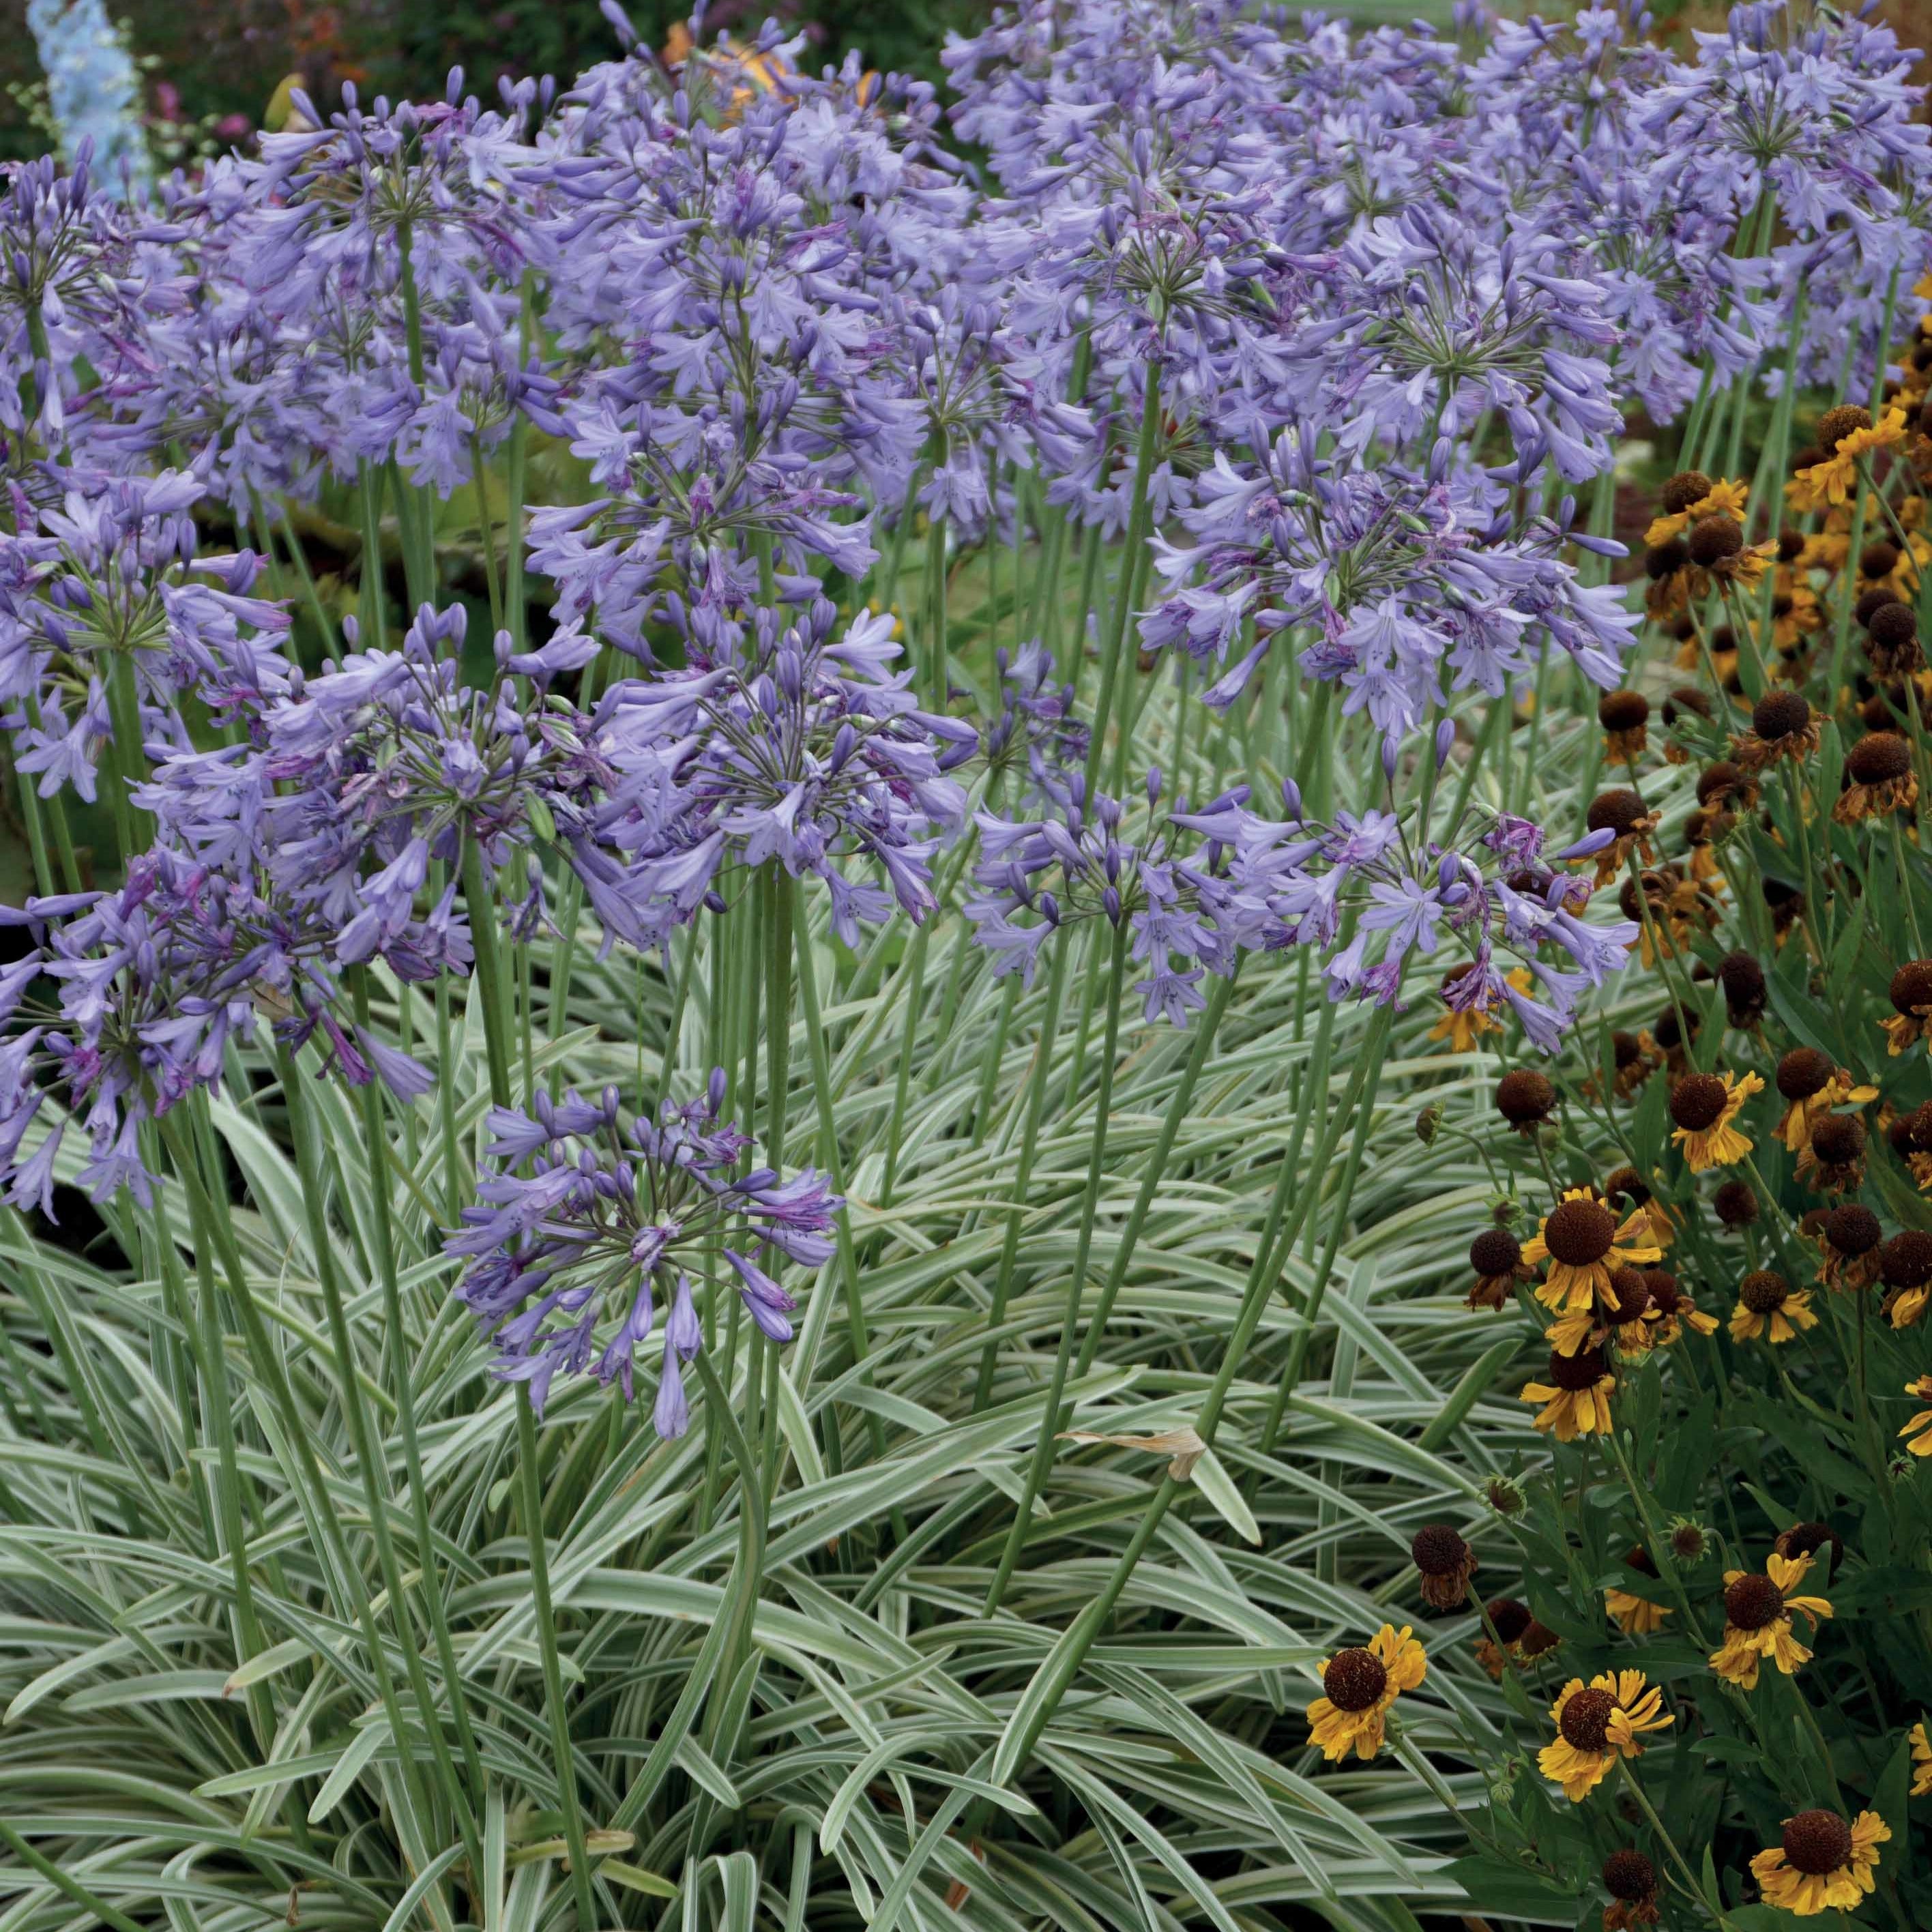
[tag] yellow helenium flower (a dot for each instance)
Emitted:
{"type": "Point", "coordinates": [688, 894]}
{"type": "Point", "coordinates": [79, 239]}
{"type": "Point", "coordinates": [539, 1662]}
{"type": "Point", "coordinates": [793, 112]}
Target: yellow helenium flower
{"type": "Point", "coordinates": [1767, 1301]}
{"type": "Point", "coordinates": [1704, 1105]}
{"type": "Point", "coordinates": [1822, 1862]}
{"type": "Point", "coordinates": [1835, 481]}
{"type": "Point", "coordinates": [1576, 1400]}
{"type": "Point", "coordinates": [1758, 1609]}
{"type": "Point", "coordinates": [1726, 498]}
{"type": "Point", "coordinates": [1921, 1760]}
{"type": "Point", "coordinates": [1360, 1684]}
{"type": "Point", "coordinates": [1635, 1615]}
{"type": "Point", "coordinates": [1596, 1724]}
{"type": "Point", "coordinates": [1585, 1244]}
{"type": "Point", "coordinates": [1919, 1429]}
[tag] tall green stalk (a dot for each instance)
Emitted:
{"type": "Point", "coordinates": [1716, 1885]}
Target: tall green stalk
{"type": "Point", "coordinates": [1044, 1449]}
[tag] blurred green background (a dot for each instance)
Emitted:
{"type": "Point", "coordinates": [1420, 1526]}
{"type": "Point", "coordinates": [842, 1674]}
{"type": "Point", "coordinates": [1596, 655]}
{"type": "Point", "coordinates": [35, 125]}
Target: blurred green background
{"type": "Point", "coordinates": [210, 66]}
{"type": "Point", "coordinates": [207, 62]}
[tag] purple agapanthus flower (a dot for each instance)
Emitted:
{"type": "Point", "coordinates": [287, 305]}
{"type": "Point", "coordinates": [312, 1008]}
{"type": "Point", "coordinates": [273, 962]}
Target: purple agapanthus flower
{"type": "Point", "coordinates": [586, 1220]}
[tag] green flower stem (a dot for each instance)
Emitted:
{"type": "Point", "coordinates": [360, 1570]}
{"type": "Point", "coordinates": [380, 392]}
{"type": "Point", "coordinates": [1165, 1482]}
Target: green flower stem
{"type": "Point", "coordinates": [902, 1079]}
{"type": "Point", "coordinates": [1205, 1029]}
{"type": "Point", "coordinates": [490, 987]}
{"type": "Point", "coordinates": [371, 1465]}
{"type": "Point", "coordinates": [376, 1133]}
{"type": "Point", "coordinates": [371, 602]}
{"type": "Point", "coordinates": [208, 1198]}
{"type": "Point", "coordinates": [1035, 1104]}
{"type": "Point", "coordinates": [1053, 1421]}
{"type": "Point", "coordinates": [1304, 1337]}
{"type": "Point", "coordinates": [1113, 645]}
{"type": "Point", "coordinates": [1635, 1786]}
{"type": "Point", "coordinates": [532, 1482]}
{"type": "Point", "coordinates": [1056, 1675]}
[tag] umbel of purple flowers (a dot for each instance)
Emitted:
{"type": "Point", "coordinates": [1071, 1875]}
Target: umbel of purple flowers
{"type": "Point", "coordinates": [588, 1220]}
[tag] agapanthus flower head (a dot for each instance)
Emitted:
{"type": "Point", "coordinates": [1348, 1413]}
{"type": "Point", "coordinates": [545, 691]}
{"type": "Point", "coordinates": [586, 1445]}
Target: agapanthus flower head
{"type": "Point", "coordinates": [111, 573]}
{"type": "Point", "coordinates": [1101, 857]}
{"type": "Point", "coordinates": [586, 1217]}
{"type": "Point", "coordinates": [806, 749]}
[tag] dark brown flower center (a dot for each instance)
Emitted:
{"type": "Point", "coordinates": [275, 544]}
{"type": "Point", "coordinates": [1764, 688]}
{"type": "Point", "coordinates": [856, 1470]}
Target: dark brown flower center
{"type": "Point", "coordinates": [1893, 625]}
{"type": "Point", "coordinates": [1719, 781]}
{"type": "Point", "coordinates": [1580, 1232]}
{"type": "Point", "coordinates": [1838, 1139]}
{"type": "Point", "coordinates": [1495, 1251]}
{"type": "Point", "coordinates": [1622, 710]}
{"type": "Point", "coordinates": [1803, 1072]}
{"type": "Point", "coordinates": [1780, 714]}
{"type": "Point", "coordinates": [1879, 560]}
{"type": "Point", "coordinates": [1585, 1721]}
{"type": "Point", "coordinates": [1806, 1539]}
{"type": "Point", "coordinates": [1878, 757]}
{"type": "Point", "coordinates": [1537, 1639]}
{"type": "Point", "coordinates": [1763, 1291]}
{"type": "Point", "coordinates": [1852, 1229]}
{"type": "Point", "coordinates": [1715, 537]}
{"type": "Point", "coordinates": [1664, 1295]}
{"type": "Point", "coordinates": [1437, 1550]}
{"type": "Point", "coordinates": [1629, 1876]}
{"type": "Point", "coordinates": [1617, 810]}
{"type": "Point", "coordinates": [1628, 1298]}
{"type": "Point", "coordinates": [1354, 1679]}
{"type": "Point", "coordinates": [1698, 1102]}
{"type": "Point", "coordinates": [1835, 424]}
{"type": "Point", "coordinates": [1735, 1204]}
{"type": "Point", "coordinates": [1524, 1097]}
{"type": "Point", "coordinates": [1905, 1260]}
{"type": "Point", "coordinates": [1511, 1618]}
{"type": "Point", "coordinates": [1582, 1370]}
{"type": "Point", "coordinates": [1912, 985]}
{"type": "Point", "coordinates": [1687, 487]}
{"type": "Point", "coordinates": [1817, 1842]}
{"type": "Point", "coordinates": [1686, 698]}
{"type": "Point", "coordinates": [1753, 1602]}
{"type": "Point", "coordinates": [1640, 1559]}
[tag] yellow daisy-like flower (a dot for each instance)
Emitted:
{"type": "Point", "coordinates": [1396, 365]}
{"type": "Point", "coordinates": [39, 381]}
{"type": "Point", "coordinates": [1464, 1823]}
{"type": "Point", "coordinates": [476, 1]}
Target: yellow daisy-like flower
{"type": "Point", "coordinates": [1759, 1605]}
{"type": "Point", "coordinates": [1813, 1087]}
{"type": "Point", "coordinates": [1672, 1312]}
{"type": "Point", "coordinates": [1767, 1303]}
{"type": "Point", "coordinates": [1635, 1615]}
{"type": "Point", "coordinates": [1360, 1684]}
{"type": "Point", "coordinates": [1704, 1105]}
{"type": "Point", "coordinates": [1597, 1723]}
{"type": "Point", "coordinates": [1921, 1760]}
{"type": "Point", "coordinates": [1576, 1400]}
{"type": "Point", "coordinates": [1823, 1862]}
{"type": "Point", "coordinates": [1723, 498]}
{"type": "Point", "coordinates": [1918, 1430]}
{"type": "Point", "coordinates": [1585, 1244]}
{"type": "Point", "coordinates": [1912, 1001]}
{"type": "Point", "coordinates": [1835, 481]}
